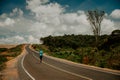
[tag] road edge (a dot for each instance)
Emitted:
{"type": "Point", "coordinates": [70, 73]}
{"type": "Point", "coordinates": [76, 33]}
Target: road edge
{"type": "Point", "coordinates": [24, 67]}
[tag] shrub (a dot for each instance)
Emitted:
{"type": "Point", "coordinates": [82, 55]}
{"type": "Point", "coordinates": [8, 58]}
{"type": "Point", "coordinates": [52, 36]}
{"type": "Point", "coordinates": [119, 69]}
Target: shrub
{"type": "Point", "coordinates": [2, 59]}
{"type": "Point", "coordinates": [3, 49]}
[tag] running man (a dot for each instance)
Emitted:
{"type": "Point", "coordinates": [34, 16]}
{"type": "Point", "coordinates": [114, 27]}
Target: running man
{"type": "Point", "coordinates": [41, 55]}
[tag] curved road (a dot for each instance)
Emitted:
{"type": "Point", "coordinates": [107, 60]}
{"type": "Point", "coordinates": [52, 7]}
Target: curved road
{"type": "Point", "coordinates": [52, 69]}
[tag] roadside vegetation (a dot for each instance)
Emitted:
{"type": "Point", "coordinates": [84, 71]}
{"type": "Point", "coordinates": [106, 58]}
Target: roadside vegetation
{"type": "Point", "coordinates": [8, 54]}
{"type": "Point", "coordinates": [82, 49]}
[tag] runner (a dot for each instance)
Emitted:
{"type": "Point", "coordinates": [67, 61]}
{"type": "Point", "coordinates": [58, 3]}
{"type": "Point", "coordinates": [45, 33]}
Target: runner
{"type": "Point", "coordinates": [41, 55]}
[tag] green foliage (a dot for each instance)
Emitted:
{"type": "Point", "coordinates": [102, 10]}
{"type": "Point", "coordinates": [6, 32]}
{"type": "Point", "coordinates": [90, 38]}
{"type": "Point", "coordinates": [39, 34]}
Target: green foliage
{"type": "Point", "coordinates": [3, 49]}
{"type": "Point", "coordinates": [15, 49]}
{"type": "Point", "coordinates": [37, 47]}
{"type": "Point", "coordinates": [116, 32]}
{"type": "Point", "coordinates": [68, 41]}
{"type": "Point", "coordinates": [110, 42]}
{"type": "Point", "coordinates": [2, 59]}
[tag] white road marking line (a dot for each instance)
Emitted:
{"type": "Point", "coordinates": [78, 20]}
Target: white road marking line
{"type": "Point", "coordinates": [25, 69]}
{"type": "Point", "coordinates": [65, 70]}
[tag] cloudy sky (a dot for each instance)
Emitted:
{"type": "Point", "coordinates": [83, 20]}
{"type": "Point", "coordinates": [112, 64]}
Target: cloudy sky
{"type": "Point", "coordinates": [25, 21]}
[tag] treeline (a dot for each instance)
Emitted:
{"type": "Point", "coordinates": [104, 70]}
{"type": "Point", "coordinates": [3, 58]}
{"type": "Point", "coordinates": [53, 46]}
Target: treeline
{"type": "Point", "coordinates": [71, 41]}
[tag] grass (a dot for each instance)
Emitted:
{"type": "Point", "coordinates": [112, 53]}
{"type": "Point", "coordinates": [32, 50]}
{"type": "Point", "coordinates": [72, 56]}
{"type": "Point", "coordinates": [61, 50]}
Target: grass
{"type": "Point", "coordinates": [12, 52]}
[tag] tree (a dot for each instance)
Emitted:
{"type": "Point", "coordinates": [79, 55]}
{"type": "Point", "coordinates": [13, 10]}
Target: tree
{"type": "Point", "coordinates": [95, 18]}
{"type": "Point", "coordinates": [116, 32]}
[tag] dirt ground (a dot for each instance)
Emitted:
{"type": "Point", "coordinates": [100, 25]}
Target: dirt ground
{"type": "Point", "coordinates": [7, 45]}
{"type": "Point", "coordinates": [10, 72]}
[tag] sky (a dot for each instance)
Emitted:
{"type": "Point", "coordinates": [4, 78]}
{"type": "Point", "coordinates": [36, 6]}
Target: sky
{"type": "Point", "coordinates": [26, 21]}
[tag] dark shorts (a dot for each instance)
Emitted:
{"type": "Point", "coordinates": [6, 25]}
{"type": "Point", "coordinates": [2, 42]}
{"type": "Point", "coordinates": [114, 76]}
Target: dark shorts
{"type": "Point", "coordinates": [41, 57]}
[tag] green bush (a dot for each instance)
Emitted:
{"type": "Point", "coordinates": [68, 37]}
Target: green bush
{"type": "Point", "coordinates": [2, 59]}
{"type": "Point", "coordinates": [3, 49]}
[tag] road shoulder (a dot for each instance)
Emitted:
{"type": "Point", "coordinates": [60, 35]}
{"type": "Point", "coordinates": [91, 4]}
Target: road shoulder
{"type": "Point", "coordinates": [11, 70]}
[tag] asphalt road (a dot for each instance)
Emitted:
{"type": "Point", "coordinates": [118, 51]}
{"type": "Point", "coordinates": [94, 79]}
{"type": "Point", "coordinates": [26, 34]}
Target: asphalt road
{"type": "Point", "coordinates": [52, 69]}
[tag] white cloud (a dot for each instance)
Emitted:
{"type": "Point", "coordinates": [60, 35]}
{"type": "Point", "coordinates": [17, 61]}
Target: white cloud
{"type": "Point", "coordinates": [55, 21]}
{"type": "Point", "coordinates": [117, 24]}
{"type": "Point", "coordinates": [32, 4]}
{"type": "Point", "coordinates": [32, 39]}
{"type": "Point", "coordinates": [16, 12]}
{"type": "Point", "coordinates": [107, 26]}
{"type": "Point", "coordinates": [48, 13]}
{"type": "Point", "coordinates": [48, 19]}
{"type": "Point", "coordinates": [20, 12]}
{"type": "Point", "coordinates": [8, 22]}
{"type": "Point", "coordinates": [12, 40]}
{"type": "Point", "coordinates": [19, 39]}
{"type": "Point", "coordinates": [4, 15]}
{"type": "Point", "coordinates": [115, 14]}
